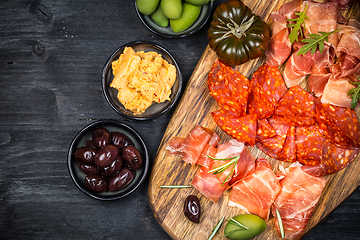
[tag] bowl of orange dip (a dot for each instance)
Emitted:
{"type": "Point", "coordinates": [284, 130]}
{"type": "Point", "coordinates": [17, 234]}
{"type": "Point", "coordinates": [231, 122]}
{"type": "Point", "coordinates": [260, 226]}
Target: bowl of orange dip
{"type": "Point", "coordinates": [141, 80]}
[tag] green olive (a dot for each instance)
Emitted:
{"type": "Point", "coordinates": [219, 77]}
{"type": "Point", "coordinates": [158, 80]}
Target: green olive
{"type": "Point", "coordinates": [188, 17]}
{"type": "Point", "coordinates": [159, 17]}
{"type": "Point", "coordinates": [197, 2]}
{"type": "Point", "coordinates": [147, 7]}
{"type": "Point", "coordinates": [254, 223]}
{"type": "Point", "coordinates": [172, 9]}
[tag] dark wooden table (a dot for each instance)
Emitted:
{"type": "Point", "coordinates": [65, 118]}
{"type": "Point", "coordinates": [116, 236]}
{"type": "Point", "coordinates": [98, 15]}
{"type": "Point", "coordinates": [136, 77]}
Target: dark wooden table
{"type": "Point", "coordinates": [51, 57]}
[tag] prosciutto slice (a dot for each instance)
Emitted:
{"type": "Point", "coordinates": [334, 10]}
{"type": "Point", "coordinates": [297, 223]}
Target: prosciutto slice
{"type": "Point", "coordinates": [298, 66]}
{"type": "Point", "coordinates": [348, 50]}
{"type": "Point", "coordinates": [335, 91]}
{"type": "Point", "coordinates": [209, 150]}
{"type": "Point", "coordinates": [190, 147]}
{"type": "Point", "coordinates": [279, 46]}
{"type": "Point", "coordinates": [296, 201]}
{"type": "Point", "coordinates": [208, 184]}
{"type": "Point", "coordinates": [322, 17]}
{"type": "Point", "coordinates": [317, 80]}
{"type": "Point", "coordinates": [256, 193]}
{"type": "Point", "coordinates": [212, 185]}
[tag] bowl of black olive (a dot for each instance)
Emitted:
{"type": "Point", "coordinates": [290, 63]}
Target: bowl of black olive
{"type": "Point", "coordinates": [108, 160]}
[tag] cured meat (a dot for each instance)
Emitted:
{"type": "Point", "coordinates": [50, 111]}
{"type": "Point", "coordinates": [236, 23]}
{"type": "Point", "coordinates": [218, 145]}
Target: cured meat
{"type": "Point", "coordinates": [264, 130]}
{"type": "Point", "coordinates": [288, 9]}
{"type": "Point", "coordinates": [296, 201]}
{"type": "Point", "coordinates": [335, 158]}
{"type": "Point", "coordinates": [256, 193]}
{"type": "Point", "coordinates": [335, 92]}
{"type": "Point", "coordinates": [348, 50]}
{"type": "Point", "coordinates": [267, 88]}
{"type": "Point", "coordinates": [227, 150]}
{"type": "Point", "coordinates": [244, 167]}
{"type": "Point", "coordinates": [309, 145]}
{"type": "Point", "coordinates": [349, 37]}
{"type": "Point", "coordinates": [340, 125]}
{"type": "Point", "coordinates": [279, 46]}
{"type": "Point", "coordinates": [192, 146]}
{"type": "Point", "coordinates": [173, 146]}
{"type": "Point", "coordinates": [229, 88]}
{"type": "Point", "coordinates": [346, 65]}
{"type": "Point", "coordinates": [343, 4]}
{"type": "Point", "coordinates": [296, 108]}
{"type": "Point", "coordinates": [241, 128]}
{"type": "Point", "coordinates": [209, 149]}
{"type": "Point", "coordinates": [318, 80]}
{"type": "Point", "coordinates": [322, 17]}
{"type": "Point", "coordinates": [298, 66]}
{"type": "Point", "coordinates": [288, 153]}
{"type": "Point", "coordinates": [213, 185]}
{"type": "Point", "coordinates": [208, 184]}
{"type": "Point", "coordinates": [204, 160]}
{"type": "Point", "coordinates": [273, 146]}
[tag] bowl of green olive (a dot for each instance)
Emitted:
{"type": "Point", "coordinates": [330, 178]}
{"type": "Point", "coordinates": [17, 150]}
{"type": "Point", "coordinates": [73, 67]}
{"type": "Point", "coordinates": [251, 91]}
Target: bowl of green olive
{"type": "Point", "coordinates": [174, 18]}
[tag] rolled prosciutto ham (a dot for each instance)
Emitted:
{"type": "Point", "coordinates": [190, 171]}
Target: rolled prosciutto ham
{"type": "Point", "coordinates": [191, 147]}
{"type": "Point", "coordinates": [300, 191]}
{"type": "Point", "coordinates": [256, 193]}
{"type": "Point", "coordinates": [212, 185]}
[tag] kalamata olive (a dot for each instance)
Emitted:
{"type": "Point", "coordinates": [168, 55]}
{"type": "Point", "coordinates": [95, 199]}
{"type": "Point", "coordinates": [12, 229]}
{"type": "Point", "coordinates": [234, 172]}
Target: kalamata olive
{"type": "Point", "coordinates": [255, 224]}
{"type": "Point", "coordinates": [192, 209]}
{"type": "Point", "coordinates": [113, 168]}
{"type": "Point", "coordinates": [106, 155]}
{"type": "Point", "coordinates": [120, 139]}
{"type": "Point", "coordinates": [89, 169]}
{"type": "Point", "coordinates": [122, 179]}
{"type": "Point", "coordinates": [96, 183]}
{"type": "Point", "coordinates": [101, 137]}
{"type": "Point", "coordinates": [85, 155]}
{"type": "Point", "coordinates": [90, 143]}
{"type": "Point", "coordinates": [132, 157]}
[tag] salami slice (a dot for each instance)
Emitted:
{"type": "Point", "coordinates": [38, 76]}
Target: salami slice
{"type": "Point", "coordinates": [296, 108]}
{"type": "Point", "coordinates": [340, 125]}
{"type": "Point", "coordinates": [288, 153]}
{"type": "Point", "coordinates": [335, 158]}
{"type": "Point", "coordinates": [309, 144]}
{"type": "Point", "coordinates": [229, 88]}
{"type": "Point", "coordinates": [241, 128]}
{"type": "Point", "coordinates": [274, 145]}
{"type": "Point", "coordinates": [267, 87]}
{"type": "Point", "coordinates": [264, 130]}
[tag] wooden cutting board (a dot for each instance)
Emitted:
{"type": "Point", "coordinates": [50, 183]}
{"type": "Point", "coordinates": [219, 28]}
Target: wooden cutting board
{"type": "Point", "coordinates": [194, 108]}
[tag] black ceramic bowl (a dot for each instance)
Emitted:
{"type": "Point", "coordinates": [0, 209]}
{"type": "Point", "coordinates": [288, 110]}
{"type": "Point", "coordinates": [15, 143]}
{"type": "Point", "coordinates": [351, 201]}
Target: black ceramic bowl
{"type": "Point", "coordinates": [86, 134]}
{"type": "Point", "coordinates": [154, 110]}
{"type": "Point", "coordinates": [168, 32]}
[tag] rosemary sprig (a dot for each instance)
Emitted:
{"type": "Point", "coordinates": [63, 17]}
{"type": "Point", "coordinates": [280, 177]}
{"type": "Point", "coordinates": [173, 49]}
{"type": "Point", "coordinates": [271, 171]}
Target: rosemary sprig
{"type": "Point", "coordinates": [315, 41]}
{"type": "Point", "coordinates": [236, 223]}
{"type": "Point", "coordinates": [222, 168]}
{"type": "Point", "coordinates": [175, 186]}
{"type": "Point", "coordinates": [294, 35]}
{"type": "Point", "coordinates": [354, 93]}
{"type": "Point", "coordinates": [281, 226]}
{"type": "Point", "coordinates": [216, 228]}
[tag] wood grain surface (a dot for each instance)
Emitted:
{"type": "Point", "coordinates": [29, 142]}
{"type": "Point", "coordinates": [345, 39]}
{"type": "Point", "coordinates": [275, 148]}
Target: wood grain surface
{"type": "Point", "coordinates": [195, 108]}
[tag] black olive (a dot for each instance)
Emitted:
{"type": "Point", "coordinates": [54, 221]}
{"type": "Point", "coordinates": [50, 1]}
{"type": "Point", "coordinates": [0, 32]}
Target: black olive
{"type": "Point", "coordinates": [192, 208]}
